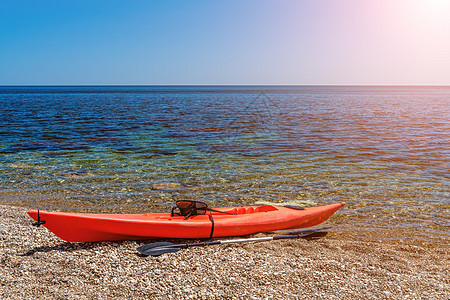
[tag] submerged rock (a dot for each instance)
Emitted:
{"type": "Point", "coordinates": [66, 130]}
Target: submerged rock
{"type": "Point", "coordinates": [167, 186]}
{"type": "Point", "coordinates": [76, 174]}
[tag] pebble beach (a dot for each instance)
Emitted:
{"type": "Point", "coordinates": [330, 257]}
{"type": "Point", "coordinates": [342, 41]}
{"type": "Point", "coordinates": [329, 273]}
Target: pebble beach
{"type": "Point", "coordinates": [35, 264]}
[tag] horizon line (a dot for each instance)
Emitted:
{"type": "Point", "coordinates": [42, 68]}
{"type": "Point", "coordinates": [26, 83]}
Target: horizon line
{"type": "Point", "coordinates": [226, 85]}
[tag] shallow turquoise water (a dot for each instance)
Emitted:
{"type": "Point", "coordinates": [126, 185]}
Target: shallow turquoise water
{"type": "Point", "coordinates": [383, 150]}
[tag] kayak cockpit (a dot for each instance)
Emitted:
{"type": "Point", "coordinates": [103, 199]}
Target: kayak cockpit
{"type": "Point", "coordinates": [222, 211]}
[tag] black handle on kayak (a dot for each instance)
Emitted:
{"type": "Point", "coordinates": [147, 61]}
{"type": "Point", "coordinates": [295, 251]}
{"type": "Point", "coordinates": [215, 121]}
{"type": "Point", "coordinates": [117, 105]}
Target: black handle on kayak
{"type": "Point", "coordinates": [39, 222]}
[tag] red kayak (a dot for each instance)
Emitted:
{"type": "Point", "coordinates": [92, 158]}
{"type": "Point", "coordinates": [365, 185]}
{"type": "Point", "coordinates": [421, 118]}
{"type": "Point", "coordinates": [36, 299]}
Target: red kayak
{"type": "Point", "coordinates": [220, 222]}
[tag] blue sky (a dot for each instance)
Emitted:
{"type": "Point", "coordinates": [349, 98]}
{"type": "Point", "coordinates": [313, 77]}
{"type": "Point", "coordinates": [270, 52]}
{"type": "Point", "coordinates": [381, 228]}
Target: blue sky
{"type": "Point", "coordinates": [225, 42]}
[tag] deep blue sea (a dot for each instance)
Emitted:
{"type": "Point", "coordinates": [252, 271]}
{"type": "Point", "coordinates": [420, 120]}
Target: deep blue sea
{"type": "Point", "coordinates": [385, 151]}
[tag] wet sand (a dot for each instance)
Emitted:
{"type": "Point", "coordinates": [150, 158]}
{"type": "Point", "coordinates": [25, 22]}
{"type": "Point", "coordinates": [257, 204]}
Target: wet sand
{"type": "Point", "coordinates": [35, 264]}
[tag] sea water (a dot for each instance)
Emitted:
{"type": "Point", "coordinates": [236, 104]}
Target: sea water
{"type": "Point", "coordinates": [385, 151]}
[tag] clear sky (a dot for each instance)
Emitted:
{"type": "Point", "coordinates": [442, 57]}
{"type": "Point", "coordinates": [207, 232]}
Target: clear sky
{"type": "Point", "coordinates": [225, 42]}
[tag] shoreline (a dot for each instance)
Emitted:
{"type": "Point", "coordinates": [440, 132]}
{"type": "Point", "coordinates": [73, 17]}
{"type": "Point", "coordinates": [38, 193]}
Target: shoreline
{"type": "Point", "coordinates": [35, 264]}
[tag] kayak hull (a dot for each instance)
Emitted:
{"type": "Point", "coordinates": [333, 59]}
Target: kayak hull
{"type": "Point", "coordinates": [85, 227]}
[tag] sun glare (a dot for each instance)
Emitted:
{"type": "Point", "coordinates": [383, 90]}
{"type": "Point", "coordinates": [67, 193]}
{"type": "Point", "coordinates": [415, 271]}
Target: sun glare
{"type": "Point", "coordinates": [437, 10]}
